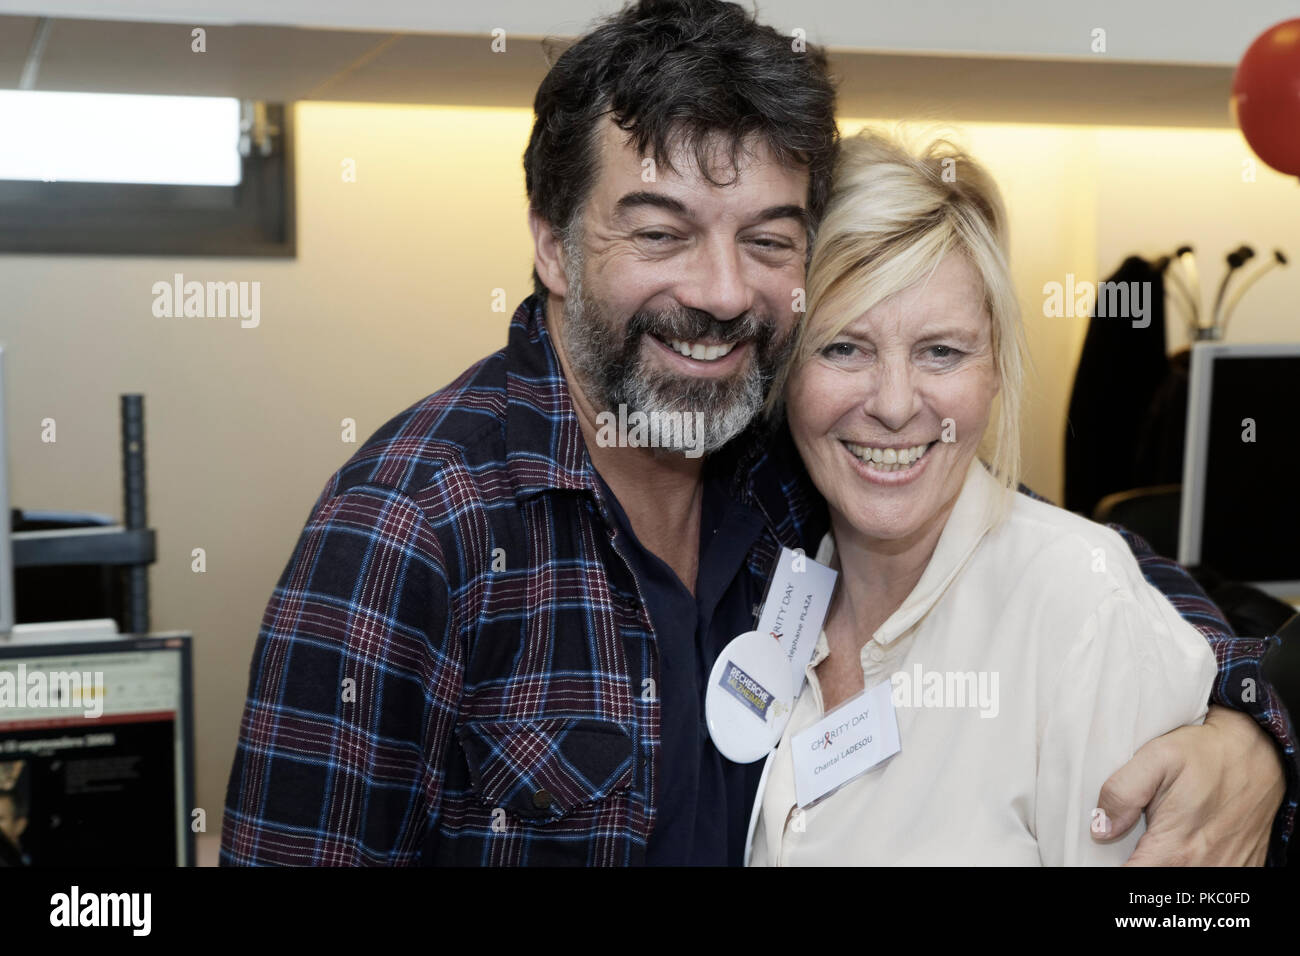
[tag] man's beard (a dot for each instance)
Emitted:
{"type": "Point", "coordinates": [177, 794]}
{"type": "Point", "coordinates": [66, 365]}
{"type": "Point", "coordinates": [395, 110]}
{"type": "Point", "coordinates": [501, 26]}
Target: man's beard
{"type": "Point", "coordinates": [612, 370]}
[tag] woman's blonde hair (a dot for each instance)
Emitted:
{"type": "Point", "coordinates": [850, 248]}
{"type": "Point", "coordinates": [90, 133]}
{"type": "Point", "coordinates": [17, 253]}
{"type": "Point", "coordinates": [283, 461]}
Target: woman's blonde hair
{"type": "Point", "coordinates": [895, 212]}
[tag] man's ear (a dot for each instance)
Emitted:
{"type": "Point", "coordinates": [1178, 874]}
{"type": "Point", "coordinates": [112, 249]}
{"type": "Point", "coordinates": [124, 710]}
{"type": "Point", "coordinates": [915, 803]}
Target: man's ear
{"type": "Point", "coordinates": [548, 255]}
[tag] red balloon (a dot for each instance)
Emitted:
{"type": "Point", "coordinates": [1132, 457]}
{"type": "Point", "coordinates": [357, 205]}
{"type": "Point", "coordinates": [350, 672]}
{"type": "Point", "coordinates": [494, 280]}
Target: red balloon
{"type": "Point", "coordinates": [1266, 96]}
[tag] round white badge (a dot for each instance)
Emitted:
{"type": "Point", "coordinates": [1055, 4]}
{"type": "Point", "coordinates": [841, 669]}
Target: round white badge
{"type": "Point", "coordinates": [749, 697]}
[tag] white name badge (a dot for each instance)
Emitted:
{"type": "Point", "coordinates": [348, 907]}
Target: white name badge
{"type": "Point", "coordinates": [798, 597]}
{"type": "Point", "coordinates": [757, 676]}
{"type": "Point", "coordinates": [847, 742]}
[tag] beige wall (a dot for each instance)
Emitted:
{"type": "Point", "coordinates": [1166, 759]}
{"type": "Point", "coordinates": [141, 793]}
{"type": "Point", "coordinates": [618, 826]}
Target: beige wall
{"type": "Point", "coordinates": [390, 297]}
{"type": "Point", "coordinates": [1157, 187]}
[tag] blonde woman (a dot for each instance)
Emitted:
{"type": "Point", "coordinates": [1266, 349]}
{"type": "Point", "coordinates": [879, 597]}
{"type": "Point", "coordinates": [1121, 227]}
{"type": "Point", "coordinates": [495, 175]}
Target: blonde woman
{"type": "Point", "coordinates": [906, 379]}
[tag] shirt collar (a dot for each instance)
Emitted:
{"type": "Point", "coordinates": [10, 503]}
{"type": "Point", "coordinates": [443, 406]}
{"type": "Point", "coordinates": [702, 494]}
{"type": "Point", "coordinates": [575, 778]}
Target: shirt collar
{"type": "Point", "coordinates": [971, 518]}
{"type": "Point", "coordinates": [770, 476]}
{"type": "Point", "coordinates": [545, 448]}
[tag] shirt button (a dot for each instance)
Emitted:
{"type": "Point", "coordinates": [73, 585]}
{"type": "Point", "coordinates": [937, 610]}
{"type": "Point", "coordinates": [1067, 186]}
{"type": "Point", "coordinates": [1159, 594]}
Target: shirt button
{"type": "Point", "coordinates": [542, 799]}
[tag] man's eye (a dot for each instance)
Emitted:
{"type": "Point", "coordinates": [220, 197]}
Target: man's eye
{"type": "Point", "coordinates": [768, 243]}
{"type": "Point", "coordinates": [659, 237]}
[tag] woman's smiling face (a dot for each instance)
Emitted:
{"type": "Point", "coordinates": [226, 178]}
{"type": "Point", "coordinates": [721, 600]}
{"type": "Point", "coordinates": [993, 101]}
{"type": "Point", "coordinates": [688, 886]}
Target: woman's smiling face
{"type": "Point", "coordinates": [889, 414]}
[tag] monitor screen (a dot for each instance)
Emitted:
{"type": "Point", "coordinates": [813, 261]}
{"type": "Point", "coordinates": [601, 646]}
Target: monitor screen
{"type": "Point", "coordinates": [96, 753]}
{"type": "Point", "coordinates": [7, 612]}
{"type": "Point", "coordinates": [1241, 500]}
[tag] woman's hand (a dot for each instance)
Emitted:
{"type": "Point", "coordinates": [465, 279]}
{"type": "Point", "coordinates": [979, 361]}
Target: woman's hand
{"type": "Point", "coordinates": [1211, 793]}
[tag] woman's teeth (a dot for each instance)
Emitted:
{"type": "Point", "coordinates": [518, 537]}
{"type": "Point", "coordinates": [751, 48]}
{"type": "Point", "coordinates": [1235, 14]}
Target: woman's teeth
{"type": "Point", "coordinates": [888, 459]}
{"type": "Point", "coordinates": [696, 350]}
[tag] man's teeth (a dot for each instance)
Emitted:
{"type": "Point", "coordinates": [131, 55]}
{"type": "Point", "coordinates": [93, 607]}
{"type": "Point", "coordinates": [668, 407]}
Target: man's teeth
{"type": "Point", "coordinates": [696, 350]}
{"type": "Point", "coordinates": [888, 459]}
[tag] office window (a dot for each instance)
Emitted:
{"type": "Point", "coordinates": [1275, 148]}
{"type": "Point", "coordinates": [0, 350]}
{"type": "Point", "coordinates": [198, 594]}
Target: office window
{"type": "Point", "coordinates": [148, 175]}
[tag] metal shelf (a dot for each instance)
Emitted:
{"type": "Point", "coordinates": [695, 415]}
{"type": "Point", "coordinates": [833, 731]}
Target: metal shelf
{"type": "Point", "coordinates": [112, 544]}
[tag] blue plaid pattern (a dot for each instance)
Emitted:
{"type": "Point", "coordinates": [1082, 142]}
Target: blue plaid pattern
{"type": "Point", "coordinates": [454, 666]}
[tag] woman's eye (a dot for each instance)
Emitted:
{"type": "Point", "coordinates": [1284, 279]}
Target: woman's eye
{"type": "Point", "coordinates": [943, 352]}
{"type": "Point", "coordinates": [839, 350]}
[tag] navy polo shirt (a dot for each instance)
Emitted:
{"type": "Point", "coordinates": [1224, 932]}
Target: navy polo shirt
{"type": "Point", "coordinates": [703, 799]}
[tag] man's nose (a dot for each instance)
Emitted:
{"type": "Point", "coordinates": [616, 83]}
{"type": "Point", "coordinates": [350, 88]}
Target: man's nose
{"type": "Point", "coordinates": [896, 399]}
{"type": "Point", "coordinates": [717, 283]}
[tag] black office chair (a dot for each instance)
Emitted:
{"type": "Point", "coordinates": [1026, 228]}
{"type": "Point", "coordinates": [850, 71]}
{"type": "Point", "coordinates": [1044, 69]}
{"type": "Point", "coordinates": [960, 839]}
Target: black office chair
{"type": "Point", "coordinates": [1150, 512]}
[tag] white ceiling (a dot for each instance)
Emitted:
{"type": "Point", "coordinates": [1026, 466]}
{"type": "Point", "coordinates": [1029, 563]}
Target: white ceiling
{"type": "Point", "coordinates": [290, 63]}
{"type": "Point", "coordinates": [1208, 32]}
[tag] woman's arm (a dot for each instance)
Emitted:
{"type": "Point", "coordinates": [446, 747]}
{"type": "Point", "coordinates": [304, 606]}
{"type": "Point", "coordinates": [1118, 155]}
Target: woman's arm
{"type": "Point", "coordinates": [1228, 772]}
{"type": "Point", "coordinates": [1227, 750]}
{"type": "Point", "coordinates": [1134, 671]}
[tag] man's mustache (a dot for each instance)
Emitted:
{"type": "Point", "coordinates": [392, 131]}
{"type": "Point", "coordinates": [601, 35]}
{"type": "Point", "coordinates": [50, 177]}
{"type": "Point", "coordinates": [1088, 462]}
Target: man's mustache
{"type": "Point", "coordinates": [694, 324]}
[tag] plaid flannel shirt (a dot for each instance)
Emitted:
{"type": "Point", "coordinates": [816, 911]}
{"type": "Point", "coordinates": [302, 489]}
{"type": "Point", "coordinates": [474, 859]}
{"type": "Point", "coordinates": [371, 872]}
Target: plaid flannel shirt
{"type": "Point", "coordinates": [455, 666]}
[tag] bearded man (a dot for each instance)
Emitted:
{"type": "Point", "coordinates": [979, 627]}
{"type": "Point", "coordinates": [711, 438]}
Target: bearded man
{"type": "Point", "coordinates": [492, 641]}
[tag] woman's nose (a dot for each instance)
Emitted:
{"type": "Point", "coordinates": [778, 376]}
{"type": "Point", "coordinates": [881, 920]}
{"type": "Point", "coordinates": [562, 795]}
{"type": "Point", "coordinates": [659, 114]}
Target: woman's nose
{"type": "Point", "coordinates": [896, 399]}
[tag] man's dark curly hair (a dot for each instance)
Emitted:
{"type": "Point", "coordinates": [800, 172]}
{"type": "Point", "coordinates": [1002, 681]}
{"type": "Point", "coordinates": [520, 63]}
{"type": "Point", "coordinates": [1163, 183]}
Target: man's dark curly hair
{"type": "Point", "coordinates": [679, 72]}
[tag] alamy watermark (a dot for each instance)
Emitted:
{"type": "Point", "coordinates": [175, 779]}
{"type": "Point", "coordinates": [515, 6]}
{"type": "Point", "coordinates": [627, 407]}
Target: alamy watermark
{"type": "Point", "coordinates": [53, 689]}
{"type": "Point", "coordinates": [683, 431]}
{"type": "Point", "coordinates": [947, 689]}
{"type": "Point", "coordinates": [131, 911]}
{"type": "Point", "coordinates": [213, 300]}
{"type": "Point", "coordinates": [1117, 300]}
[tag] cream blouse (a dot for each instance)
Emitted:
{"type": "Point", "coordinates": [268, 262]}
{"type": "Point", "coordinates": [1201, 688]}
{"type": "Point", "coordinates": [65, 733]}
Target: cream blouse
{"type": "Point", "coordinates": [1081, 661]}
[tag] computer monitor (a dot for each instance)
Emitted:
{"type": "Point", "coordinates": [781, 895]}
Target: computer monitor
{"type": "Point", "coordinates": [7, 614]}
{"type": "Point", "coordinates": [1240, 511]}
{"type": "Point", "coordinates": [97, 753]}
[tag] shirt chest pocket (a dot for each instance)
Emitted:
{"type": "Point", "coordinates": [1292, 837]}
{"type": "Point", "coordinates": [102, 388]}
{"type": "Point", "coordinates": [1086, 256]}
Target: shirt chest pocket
{"type": "Point", "coordinates": [541, 770]}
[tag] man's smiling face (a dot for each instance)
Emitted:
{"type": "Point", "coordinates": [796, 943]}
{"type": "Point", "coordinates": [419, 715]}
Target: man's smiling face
{"type": "Point", "coordinates": [680, 292]}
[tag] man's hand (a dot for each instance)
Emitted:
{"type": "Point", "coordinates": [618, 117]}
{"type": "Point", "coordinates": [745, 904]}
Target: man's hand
{"type": "Point", "coordinates": [1210, 792]}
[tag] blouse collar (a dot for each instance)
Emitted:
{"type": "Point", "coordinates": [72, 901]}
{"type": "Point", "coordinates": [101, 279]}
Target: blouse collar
{"type": "Point", "coordinates": [970, 520]}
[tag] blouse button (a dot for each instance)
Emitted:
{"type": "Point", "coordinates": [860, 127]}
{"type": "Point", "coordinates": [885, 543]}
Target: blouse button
{"type": "Point", "coordinates": [877, 655]}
